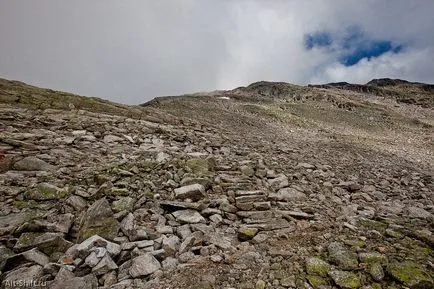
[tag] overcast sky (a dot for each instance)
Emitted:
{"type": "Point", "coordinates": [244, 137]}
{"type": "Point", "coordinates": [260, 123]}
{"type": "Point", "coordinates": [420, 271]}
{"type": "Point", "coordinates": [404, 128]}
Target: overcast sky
{"type": "Point", "coordinates": [133, 50]}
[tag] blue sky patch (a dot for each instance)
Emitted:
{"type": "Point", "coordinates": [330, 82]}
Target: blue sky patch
{"type": "Point", "coordinates": [352, 47]}
{"type": "Point", "coordinates": [369, 50]}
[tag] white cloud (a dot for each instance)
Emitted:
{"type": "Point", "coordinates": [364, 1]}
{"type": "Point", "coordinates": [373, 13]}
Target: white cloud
{"type": "Point", "coordinates": [132, 51]}
{"type": "Point", "coordinates": [413, 65]}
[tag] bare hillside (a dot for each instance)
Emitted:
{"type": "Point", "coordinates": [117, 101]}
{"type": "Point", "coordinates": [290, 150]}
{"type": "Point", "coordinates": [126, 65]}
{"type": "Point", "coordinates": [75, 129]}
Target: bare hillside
{"type": "Point", "coordinates": [271, 185]}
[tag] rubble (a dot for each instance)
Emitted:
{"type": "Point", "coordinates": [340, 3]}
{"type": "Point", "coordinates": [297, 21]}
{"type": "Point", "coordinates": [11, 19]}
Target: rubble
{"type": "Point", "coordinates": [172, 199]}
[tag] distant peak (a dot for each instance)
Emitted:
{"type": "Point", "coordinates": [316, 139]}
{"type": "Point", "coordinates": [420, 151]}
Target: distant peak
{"type": "Point", "coordinates": [266, 83]}
{"type": "Point", "coordinates": [388, 82]}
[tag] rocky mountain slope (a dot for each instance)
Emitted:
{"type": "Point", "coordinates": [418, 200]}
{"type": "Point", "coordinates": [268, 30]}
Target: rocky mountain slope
{"type": "Point", "coordinates": [271, 185]}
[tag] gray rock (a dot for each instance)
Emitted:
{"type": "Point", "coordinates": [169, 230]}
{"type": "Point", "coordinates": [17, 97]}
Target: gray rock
{"type": "Point", "coordinates": [123, 204]}
{"type": "Point", "coordinates": [187, 244]}
{"type": "Point", "coordinates": [183, 231]}
{"type": "Point", "coordinates": [12, 261]}
{"type": "Point", "coordinates": [123, 270]}
{"type": "Point", "coordinates": [87, 245]}
{"type": "Point", "coordinates": [111, 138]}
{"type": "Point", "coordinates": [162, 157]}
{"type": "Point", "coordinates": [194, 192]}
{"type": "Point", "coordinates": [77, 202]}
{"type": "Point", "coordinates": [247, 170]}
{"type": "Point", "coordinates": [28, 275]}
{"type": "Point", "coordinates": [124, 284]}
{"type": "Point", "coordinates": [104, 266]}
{"type": "Point", "coordinates": [137, 244]}
{"type": "Point", "coordinates": [67, 280]}
{"type": "Point", "coordinates": [170, 264]}
{"type": "Point", "coordinates": [225, 206]}
{"type": "Point", "coordinates": [345, 280]}
{"type": "Point", "coordinates": [188, 216]}
{"type": "Point", "coordinates": [159, 254]}
{"type": "Point", "coordinates": [219, 240]}
{"type": "Point", "coordinates": [245, 233]}
{"type": "Point", "coordinates": [416, 212]}
{"type": "Point", "coordinates": [36, 256]}
{"type": "Point", "coordinates": [260, 238]}
{"type": "Point", "coordinates": [109, 279]}
{"type": "Point", "coordinates": [342, 257]}
{"type": "Point", "coordinates": [210, 211]}
{"type": "Point", "coordinates": [410, 274]}
{"type": "Point", "coordinates": [316, 266]}
{"type": "Point", "coordinates": [305, 166]}
{"type": "Point", "coordinates": [45, 192]}
{"type": "Point", "coordinates": [280, 182]}
{"type": "Point", "coordinates": [12, 221]}
{"type": "Point", "coordinates": [376, 271]}
{"type": "Point", "coordinates": [288, 194]}
{"type": "Point", "coordinates": [32, 164]}
{"type": "Point", "coordinates": [186, 257]}
{"type": "Point", "coordinates": [170, 245]}
{"type": "Point", "coordinates": [98, 220]}
{"type": "Point", "coordinates": [46, 242]}
{"type": "Point", "coordinates": [128, 227]}
{"type": "Point", "coordinates": [164, 229]}
{"type": "Point", "coordinates": [216, 219]}
{"type": "Point", "coordinates": [144, 265]}
{"type": "Point", "coordinates": [372, 257]}
{"type": "Point", "coordinates": [60, 223]}
{"type": "Point", "coordinates": [92, 260]}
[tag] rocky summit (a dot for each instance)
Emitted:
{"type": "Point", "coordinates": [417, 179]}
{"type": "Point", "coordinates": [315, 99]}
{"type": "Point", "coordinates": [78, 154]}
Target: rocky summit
{"type": "Point", "coordinates": [271, 185]}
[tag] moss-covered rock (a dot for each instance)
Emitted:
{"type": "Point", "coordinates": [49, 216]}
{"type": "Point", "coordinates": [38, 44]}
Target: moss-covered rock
{"type": "Point", "coordinates": [316, 266]}
{"type": "Point", "coordinates": [376, 271]}
{"type": "Point", "coordinates": [123, 192]}
{"type": "Point", "coordinates": [247, 170]}
{"type": "Point", "coordinates": [98, 220]}
{"type": "Point", "coordinates": [46, 242]}
{"type": "Point", "coordinates": [357, 244]}
{"type": "Point", "coordinates": [372, 257]}
{"type": "Point", "coordinates": [345, 280]}
{"type": "Point", "coordinates": [25, 204]}
{"type": "Point", "coordinates": [45, 192]}
{"type": "Point", "coordinates": [123, 204]}
{"type": "Point", "coordinates": [410, 274]}
{"type": "Point", "coordinates": [373, 225]}
{"type": "Point", "coordinates": [425, 236]}
{"type": "Point", "coordinates": [316, 281]}
{"type": "Point", "coordinates": [245, 234]}
{"type": "Point", "coordinates": [147, 165]}
{"type": "Point", "coordinates": [107, 228]}
{"type": "Point", "coordinates": [342, 257]}
{"type": "Point", "coordinates": [260, 284]}
{"type": "Point", "coordinates": [100, 179]}
{"type": "Point", "coordinates": [393, 234]}
{"type": "Point", "coordinates": [198, 166]}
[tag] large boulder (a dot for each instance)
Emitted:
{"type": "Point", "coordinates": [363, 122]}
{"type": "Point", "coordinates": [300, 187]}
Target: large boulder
{"type": "Point", "coordinates": [45, 192]}
{"type": "Point", "coordinates": [144, 265]}
{"type": "Point", "coordinates": [342, 257]}
{"type": "Point", "coordinates": [98, 220]}
{"type": "Point", "coordinates": [193, 192]}
{"type": "Point", "coordinates": [188, 216]}
{"type": "Point", "coordinates": [46, 242]}
{"type": "Point", "coordinates": [410, 274]}
{"type": "Point", "coordinates": [32, 164]}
